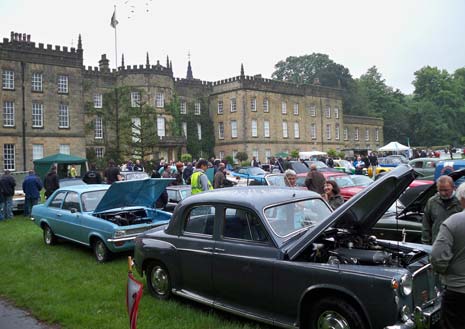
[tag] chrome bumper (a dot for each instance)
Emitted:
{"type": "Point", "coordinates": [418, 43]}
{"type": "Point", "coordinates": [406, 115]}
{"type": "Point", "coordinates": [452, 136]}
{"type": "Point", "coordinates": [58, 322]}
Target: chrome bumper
{"type": "Point", "coordinates": [421, 319]}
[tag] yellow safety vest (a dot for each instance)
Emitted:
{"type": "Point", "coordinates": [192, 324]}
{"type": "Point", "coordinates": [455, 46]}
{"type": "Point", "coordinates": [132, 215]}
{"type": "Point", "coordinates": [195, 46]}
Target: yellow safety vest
{"type": "Point", "coordinates": [196, 187]}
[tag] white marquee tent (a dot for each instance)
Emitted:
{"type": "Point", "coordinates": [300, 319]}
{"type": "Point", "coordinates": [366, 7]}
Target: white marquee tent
{"type": "Point", "coordinates": [393, 147]}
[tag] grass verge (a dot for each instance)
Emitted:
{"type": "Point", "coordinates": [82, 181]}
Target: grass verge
{"type": "Point", "coordinates": [64, 285]}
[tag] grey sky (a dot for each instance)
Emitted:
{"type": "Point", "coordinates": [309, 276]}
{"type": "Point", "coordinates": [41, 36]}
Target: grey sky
{"type": "Point", "coordinates": [398, 36]}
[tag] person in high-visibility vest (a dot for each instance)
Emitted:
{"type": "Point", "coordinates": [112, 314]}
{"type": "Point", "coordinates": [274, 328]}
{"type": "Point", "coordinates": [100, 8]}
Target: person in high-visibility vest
{"type": "Point", "coordinates": [199, 181]}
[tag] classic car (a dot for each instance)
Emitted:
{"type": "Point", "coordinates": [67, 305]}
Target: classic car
{"type": "Point", "coordinates": [344, 166]}
{"type": "Point", "coordinates": [281, 256]}
{"type": "Point", "coordinates": [249, 173]}
{"type": "Point", "coordinates": [176, 193]}
{"type": "Point", "coordinates": [104, 217]}
{"type": "Point", "coordinates": [448, 166]}
{"type": "Point", "coordinates": [320, 166]}
{"type": "Point", "coordinates": [131, 175]}
{"type": "Point", "coordinates": [424, 166]}
{"type": "Point", "coordinates": [403, 220]}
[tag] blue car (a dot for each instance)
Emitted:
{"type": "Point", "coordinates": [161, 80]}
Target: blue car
{"type": "Point", "coordinates": [251, 173]}
{"type": "Point", "coordinates": [105, 217]}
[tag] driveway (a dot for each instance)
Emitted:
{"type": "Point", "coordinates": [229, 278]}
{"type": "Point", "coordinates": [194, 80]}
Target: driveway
{"type": "Point", "coordinates": [14, 318]}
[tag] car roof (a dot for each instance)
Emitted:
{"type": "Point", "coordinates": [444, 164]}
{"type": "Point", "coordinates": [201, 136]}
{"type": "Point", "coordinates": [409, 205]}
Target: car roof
{"type": "Point", "coordinates": [85, 188]}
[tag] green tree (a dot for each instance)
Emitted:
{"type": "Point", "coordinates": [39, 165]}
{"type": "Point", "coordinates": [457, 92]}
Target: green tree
{"type": "Point", "coordinates": [241, 156]}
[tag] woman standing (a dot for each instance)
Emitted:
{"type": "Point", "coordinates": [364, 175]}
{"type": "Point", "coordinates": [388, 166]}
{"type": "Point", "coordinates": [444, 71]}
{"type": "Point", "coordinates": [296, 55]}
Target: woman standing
{"type": "Point", "coordinates": [333, 194]}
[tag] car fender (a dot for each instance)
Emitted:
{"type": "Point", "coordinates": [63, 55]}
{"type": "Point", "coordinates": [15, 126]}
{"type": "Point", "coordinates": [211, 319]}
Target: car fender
{"type": "Point", "coordinates": [164, 252]}
{"type": "Point", "coordinates": [96, 235]}
{"type": "Point", "coordinates": [329, 289]}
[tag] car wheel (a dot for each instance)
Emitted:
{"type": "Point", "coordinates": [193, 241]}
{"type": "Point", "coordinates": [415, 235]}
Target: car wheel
{"type": "Point", "coordinates": [49, 237]}
{"type": "Point", "coordinates": [335, 313]}
{"type": "Point", "coordinates": [101, 252]}
{"type": "Point", "coordinates": [158, 280]}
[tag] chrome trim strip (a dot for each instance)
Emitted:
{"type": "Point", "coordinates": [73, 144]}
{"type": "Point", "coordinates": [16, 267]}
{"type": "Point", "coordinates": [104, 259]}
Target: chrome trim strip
{"type": "Point", "coordinates": [421, 269]}
{"type": "Point", "coordinates": [128, 238]}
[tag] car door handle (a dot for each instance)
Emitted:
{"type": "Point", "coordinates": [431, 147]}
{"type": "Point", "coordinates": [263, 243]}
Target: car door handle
{"type": "Point", "coordinates": [208, 248]}
{"type": "Point", "coordinates": [58, 215]}
{"type": "Point", "coordinates": [219, 249]}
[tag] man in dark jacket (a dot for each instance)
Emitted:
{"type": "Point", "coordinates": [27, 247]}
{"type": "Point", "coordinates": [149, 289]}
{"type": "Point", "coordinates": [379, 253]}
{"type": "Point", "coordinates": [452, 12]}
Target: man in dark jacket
{"type": "Point", "coordinates": [92, 176]}
{"type": "Point", "coordinates": [315, 181]}
{"type": "Point", "coordinates": [51, 182]}
{"type": "Point", "coordinates": [31, 187]}
{"type": "Point", "coordinates": [7, 189]}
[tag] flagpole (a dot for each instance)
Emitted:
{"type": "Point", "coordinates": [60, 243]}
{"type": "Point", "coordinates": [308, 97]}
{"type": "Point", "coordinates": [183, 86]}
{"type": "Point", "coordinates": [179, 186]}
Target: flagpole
{"type": "Point", "coordinates": [116, 45]}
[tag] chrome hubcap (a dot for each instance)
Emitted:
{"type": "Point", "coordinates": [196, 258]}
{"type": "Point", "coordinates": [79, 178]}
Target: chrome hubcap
{"type": "Point", "coordinates": [160, 281]}
{"type": "Point", "coordinates": [332, 320]}
{"type": "Point", "coordinates": [48, 236]}
{"type": "Point", "coordinates": [100, 250]}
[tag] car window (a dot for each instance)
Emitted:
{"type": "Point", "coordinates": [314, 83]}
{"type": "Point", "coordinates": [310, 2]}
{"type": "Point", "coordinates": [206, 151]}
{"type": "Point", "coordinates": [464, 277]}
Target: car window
{"type": "Point", "coordinates": [200, 220]}
{"type": "Point", "coordinates": [418, 164]}
{"type": "Point", "coordinates": [185, 193]}
{"type": "Point", "coordinates": [276, 180]}
{"type": "Point", "coordinates": [243, 224]}
{"type": "Point", "coordinates": [57, 200]}
{"type": "Point", "coordinates": [342, 181]}
{"type": "Point", "coordinates": [90, 200]}
{"type": "Point", "coordinates": [72, 202]}
{"type": "Point", "coordinates": [172, 195]}
{"type": "Point", "coordinates": [288, 218]}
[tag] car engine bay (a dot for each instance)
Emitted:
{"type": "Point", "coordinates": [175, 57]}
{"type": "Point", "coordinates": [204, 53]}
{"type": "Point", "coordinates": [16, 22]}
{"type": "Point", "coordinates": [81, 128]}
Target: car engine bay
{"type": "Point", "coordinates": [127, 217]}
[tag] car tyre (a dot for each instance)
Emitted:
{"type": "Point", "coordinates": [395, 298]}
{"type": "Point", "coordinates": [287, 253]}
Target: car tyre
{"type": "Point", "coordinates": [158, 280]}
{"type": "Point", "coordinates": [333, 312]}
{"type": "Point", "coordinates": [49, 237]}
{"type": "Point", "coordinates": [101, 251]}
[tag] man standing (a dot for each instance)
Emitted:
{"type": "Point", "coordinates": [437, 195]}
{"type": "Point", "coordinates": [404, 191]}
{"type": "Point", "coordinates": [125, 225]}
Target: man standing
{"type": "Point", "coordinates": [439, 207]}
{"type": "Point", "coordinates": [448, 259]}
{"type": "Point", "coordinates": [373, 159]}
{"type": "Point", "coordinates": [199, 181]}
{"type": "Point", "coordinates": [220, 178]}
{"type": "Point", "coordinates": [254, 162]}
{"type": "Point", "coordinates": [51, 182]}
{"type": "Point", "coordinates": [92, 176]}
{"type": "Point", "coordinates": [112, 173]}
{"type": "Point", "coordinates": [7, 188]}
{"type": "Point", "coordinates": [315, 181]}
{"type": "Point", "coordinates": [31, 187]}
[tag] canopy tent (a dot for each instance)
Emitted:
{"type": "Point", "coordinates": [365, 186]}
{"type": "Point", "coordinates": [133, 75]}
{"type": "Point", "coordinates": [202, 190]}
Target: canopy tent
{"type": "Point", "coordinates": [62, 161]}
{"type": "Point", "coordinates": [393, 147]}
{"type": "Point", "coordinates": [311, 154]}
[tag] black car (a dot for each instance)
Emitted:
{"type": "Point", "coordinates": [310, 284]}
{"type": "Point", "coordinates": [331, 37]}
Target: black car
{"type": "Point", "coordinates": [281, 256]}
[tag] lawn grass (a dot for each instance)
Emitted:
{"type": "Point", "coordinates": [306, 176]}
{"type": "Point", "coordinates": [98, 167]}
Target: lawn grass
{"type": "Point", "coordinates": [64, 285]}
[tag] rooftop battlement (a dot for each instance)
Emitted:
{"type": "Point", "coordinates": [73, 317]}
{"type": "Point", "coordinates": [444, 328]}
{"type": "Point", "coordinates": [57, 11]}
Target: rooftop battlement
{"type": "Point", "coordinates": [192, 82]}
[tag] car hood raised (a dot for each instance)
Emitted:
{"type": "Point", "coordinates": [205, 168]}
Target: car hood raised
{"type": "Point", "coordinates": [142, 193]}
{"type": "Point", "coordinates": [362, 211]}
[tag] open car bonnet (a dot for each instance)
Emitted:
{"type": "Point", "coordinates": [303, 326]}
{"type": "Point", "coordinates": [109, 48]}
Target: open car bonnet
{"type": "Point", "coordinates": [362, 211]}
{"type": "Point", "coordinates": [142, 193]}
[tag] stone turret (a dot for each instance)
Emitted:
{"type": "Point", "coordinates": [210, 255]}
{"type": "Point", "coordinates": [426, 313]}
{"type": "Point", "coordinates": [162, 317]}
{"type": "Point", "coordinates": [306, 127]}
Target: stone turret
{"type": "Point", "coordinates": [242, 70]}
{"type": "Point", "coordinates": [122, 60]}
{"type": "Point", "coordinates": [189, 75]}
{"type": "Point", "coordinates": [147, 61]}
{"type": "Point", "coordinates": [104, 63]}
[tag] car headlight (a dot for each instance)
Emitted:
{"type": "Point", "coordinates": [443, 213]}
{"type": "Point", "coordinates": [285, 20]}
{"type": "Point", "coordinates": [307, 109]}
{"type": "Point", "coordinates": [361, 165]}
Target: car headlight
{"type": "Point", "coordinates": [120, 233]}
{"type": "Point", "coordinates": [406, 284]}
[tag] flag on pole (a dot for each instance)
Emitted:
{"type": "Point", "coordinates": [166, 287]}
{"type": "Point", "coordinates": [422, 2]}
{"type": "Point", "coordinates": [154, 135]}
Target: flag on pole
{"type": "Point", "coordinates": [114, 22]}
{"type": "Point", "coordinates": [133, 295]}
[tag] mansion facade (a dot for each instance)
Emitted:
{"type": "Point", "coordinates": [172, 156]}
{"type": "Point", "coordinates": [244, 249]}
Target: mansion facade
{"type": "Point", "coordinates": [51, 104]}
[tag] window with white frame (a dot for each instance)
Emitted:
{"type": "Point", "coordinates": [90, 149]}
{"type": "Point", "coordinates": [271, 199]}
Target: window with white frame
{"type": "Point", "coordinates": [183, 107]}
{"type": "Point", "coordinates": [37, 82]}
{"type": "Point", "coordinates": [267, 155]}
{"type": "Point", "coordinates": [37, 151]}
{"type": "Point", "coordinates": [65, 149]}
{"type": "Point", "coordinates": [346, 133]}
{"type": "Point", "coordinates": [135, 99]}
{"type": "Point", "coordinates": [220, 106]}
{"type": "Point", "coordinates": [160, 99]}
{"type": "Point", "coordinates": [266, 105]}
{"type": "Point", "coordinates": [99, 152]}
{"type": "Point", "coordinates": [197, 108]}
{"type": "Point", "coordinates": [220, 130]}
{"type": "Point", "coordinates": [161, 126]}
{"type": "Point", "coordinates": [328, 111]}
{"type": "Point", "coordinates": [135, 130]}
{"type": "Point", "coordinates": [98, 127]}
{"type": "Point", "coordinates": [254, 128]}
{"type": "Point", "coordinates": [312, 110]}
{"type": "Point", "coordinates": [253, 104]}
{"type": "Point", "coordinates": [367, 134]}
{"type": "Point", "coordinates": [266, 128]}
{"type": "Point", "coordinates": [199, 131]}
{"type": "Point", "coordinates": [336, 113]}
{"type": "Point", "coordinates": [283, 108]}
{"type": "Point", "coordinates": [221, 155]}
{"type": "Point", "coordinates": [296, 130]}
{"type": "Point", "coordinates": [9, 156]}
{"type": "Point", "coordinates": [37, 115]}
{"type": "Point", "coordinates": [296, 108]}
{"type": "Point", "coordinates": [62, 84]}
{"type": "Point", "coordinates": [8, 79]}
{"type": "Point", "coordinates": [98, 101]}
{"type": "Point", "coordinates": [285, 132]}
{"type": "Point", "coordinates": [356, 137]}
{"type": "Point", "coordinates": [63, 116]}
{"type": "Point", "coordinates": [233, 129]}
{"type": "Point", "coordinates": [184, 129]}
{"type": "Point", "coordinates": [313, 131]}
{"type": "Point", "coordinates": [233, 105]}
{"type": "Point", "coordinates": [377, 134]}
{"type": "Point", "coordinates": [337, 133]}
{"type": "Point", "coordinates": [8, 114]}
{"type": "Point", "coordinates": [328, 131]}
